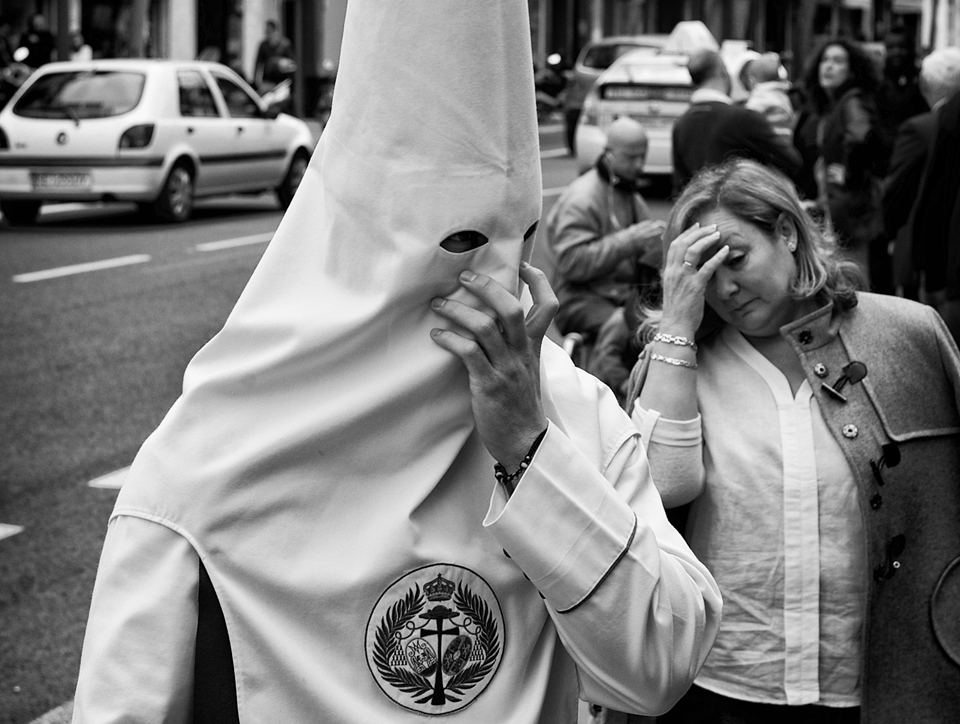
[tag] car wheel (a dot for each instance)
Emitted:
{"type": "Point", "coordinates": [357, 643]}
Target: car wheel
{"type": "Point", "coordinates": [175, 203]}
{"type": "Point", "coordinates": [20, 213]}
{"type": "Point", "coordinates": [291, 182]}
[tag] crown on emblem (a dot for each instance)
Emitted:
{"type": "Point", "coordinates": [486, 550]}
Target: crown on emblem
{"type": "Point", "coordinates": [439, 589]}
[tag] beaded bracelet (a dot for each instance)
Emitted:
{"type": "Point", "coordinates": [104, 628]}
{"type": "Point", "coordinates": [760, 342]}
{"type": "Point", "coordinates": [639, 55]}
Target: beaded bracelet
{"type": "Point", "coordinates": [674, 339]}
{"type": "Point", "coordinates": [674, 361]}
{"type": "Point", "coordinates": [508, 480]}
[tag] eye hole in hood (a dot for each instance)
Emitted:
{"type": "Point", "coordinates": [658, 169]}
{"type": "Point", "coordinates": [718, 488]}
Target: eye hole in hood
{"type": "Point", "coordinates": [531, 231]}
{"type": "Point", "coordinates": [461, 242]}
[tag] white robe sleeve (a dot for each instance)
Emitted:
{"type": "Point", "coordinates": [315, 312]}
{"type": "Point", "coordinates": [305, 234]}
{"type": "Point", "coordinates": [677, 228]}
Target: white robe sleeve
{"type": "Point", "coordinates": [633, 606]}
{"type": "Point", "coordinates": [138, 652]}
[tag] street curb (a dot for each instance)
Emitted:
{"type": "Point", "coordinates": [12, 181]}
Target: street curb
{"type": "Point", "coordinates": [61, 715]}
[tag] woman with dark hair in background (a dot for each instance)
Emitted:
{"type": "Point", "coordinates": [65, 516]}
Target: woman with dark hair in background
{"type": "Point", "coordinates": [841, 139]}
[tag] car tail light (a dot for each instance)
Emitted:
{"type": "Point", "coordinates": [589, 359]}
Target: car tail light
{"type": "Point", "coordinates": [4, 143]}
{"type": "Point", "coordinates": [590, 115]}
{"type": "Point", "coordinates": [137, 136]}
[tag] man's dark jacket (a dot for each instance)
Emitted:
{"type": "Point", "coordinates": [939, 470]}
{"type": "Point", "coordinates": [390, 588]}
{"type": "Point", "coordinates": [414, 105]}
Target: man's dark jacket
{"type": "Point", "coordinates": [901, 188]}
{"type": "Point", "coordinates": [712, 131]}
{"type": "Point", "coordinates": [936, 228]}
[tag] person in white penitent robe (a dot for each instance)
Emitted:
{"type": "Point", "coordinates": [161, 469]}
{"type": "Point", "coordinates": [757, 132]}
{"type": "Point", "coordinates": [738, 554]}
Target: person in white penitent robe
{"type": "Point", "coordinates": [316, 533]}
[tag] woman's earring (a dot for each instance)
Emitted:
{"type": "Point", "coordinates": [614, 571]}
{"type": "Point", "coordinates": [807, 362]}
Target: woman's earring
{"type": "Point", "coordinates": [792, 246]}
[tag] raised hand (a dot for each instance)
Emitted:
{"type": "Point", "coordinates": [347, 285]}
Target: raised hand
{"type": "Point", "coordinates": [686, 273]}
{"type": "Point", "coordinates": [500, 348]}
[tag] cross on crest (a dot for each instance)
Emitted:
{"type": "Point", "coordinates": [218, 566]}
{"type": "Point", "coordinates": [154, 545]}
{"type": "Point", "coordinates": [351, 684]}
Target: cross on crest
{"type": "Point", "coordinates": [435, 659]}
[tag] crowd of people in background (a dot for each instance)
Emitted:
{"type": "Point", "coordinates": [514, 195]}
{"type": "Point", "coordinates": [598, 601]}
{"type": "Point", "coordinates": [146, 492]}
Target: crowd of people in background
{"type": "Point", "coordinates": [809, 220]}
{"type": "Point", "coordinates": [22, 53]}
{"type": "Point", "coordinates": [852, 132]}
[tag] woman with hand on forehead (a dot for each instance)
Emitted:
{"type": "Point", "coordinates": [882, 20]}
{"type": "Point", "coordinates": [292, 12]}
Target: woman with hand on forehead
{"type": "Point", "coordinates": [814, 431]}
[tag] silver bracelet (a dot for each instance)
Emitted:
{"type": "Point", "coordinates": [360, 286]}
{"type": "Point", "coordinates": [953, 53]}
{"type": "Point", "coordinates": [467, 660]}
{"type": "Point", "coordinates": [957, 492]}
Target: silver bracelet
{"type": "Point", "coordinates": [673, 361]}
{"type": "Point", "coordinates": [673, 339]}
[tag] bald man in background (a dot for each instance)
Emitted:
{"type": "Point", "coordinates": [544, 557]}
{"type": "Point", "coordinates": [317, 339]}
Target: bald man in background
{"type": "Point", "coordinates": [607, 246]}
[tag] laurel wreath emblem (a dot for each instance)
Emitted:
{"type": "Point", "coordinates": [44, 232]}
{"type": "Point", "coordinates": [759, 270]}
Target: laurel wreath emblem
{"type": "Point", "coordinates": [398, 618]}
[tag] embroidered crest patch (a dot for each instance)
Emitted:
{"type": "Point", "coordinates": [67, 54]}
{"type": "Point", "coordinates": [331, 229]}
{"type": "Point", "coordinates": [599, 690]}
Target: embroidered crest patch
{"type": "Point", "coordinates": [435, 639]}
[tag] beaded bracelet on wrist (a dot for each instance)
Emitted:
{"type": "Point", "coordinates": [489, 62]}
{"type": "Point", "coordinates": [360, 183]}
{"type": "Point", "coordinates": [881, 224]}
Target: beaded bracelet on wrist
{"type": "Point", "coordinates": [509, 480]}
{"type": "Point", "coordinates": [675, 339]}
{"type": "Point", "coordinates": [674, 361]}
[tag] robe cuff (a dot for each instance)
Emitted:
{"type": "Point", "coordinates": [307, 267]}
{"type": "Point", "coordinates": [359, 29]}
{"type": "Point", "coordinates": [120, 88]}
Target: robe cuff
{"type": "Point", "coordinates": [565, 525]}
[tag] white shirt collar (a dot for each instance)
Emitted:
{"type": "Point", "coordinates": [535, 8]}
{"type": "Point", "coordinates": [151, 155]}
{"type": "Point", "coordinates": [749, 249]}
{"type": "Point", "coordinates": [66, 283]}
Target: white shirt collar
{"type": "Point", "coordinates": [710, 95]}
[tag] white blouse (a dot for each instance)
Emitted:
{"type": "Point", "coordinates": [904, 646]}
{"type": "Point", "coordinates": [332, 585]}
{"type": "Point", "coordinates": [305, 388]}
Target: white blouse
{"type": "Point", "coordinates": [779, 526]}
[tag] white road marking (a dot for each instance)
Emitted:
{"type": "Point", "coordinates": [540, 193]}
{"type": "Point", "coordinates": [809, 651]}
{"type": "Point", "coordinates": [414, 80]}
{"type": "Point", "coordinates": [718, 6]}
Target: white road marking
{"type": "Point", "coordinates": [553, 192]}
{"type": "Point", "coordinates": [110, 481]}
{"type": "Point", "coordinates": [554, 153]}
{"type": "Point", "coordinates": [231, 243]}
{"type": "Point", "coordinates": [65, 271]}
{"type": "Point", "coordinates": [7, 530]}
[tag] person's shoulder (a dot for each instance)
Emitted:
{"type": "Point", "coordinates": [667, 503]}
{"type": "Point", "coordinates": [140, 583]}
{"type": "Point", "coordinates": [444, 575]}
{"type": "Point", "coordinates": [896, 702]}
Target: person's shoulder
{"type": "Point", "coordinates": [740, 113]}
{"type": "Point", "coordinates": [886, 311]}
{"type": "Point", "coordinates": [576, 199]}
{"type": "Point", "coordinates": [743, 122]}
{"type": "Point", "coordinates": [873, 302]}
{"type": "Point", "coordinates": [581, 186]}
{"type": "Point", "coordinates": [697, 114]}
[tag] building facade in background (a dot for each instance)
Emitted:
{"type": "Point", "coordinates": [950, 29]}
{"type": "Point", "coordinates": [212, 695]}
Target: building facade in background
{"type": "Point", "coordinates": [231, 30]}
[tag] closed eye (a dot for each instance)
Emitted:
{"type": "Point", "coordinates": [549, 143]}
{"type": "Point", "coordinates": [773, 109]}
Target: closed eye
{"type": "Point", "coordinates": [463, 241]}
{"type": "Point", "coordinates": [735, 260]}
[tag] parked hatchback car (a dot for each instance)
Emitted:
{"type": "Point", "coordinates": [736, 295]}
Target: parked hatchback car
{"type": "Point", "coordinates": [594, 58]}
{"type": "Point", "coordinates": [161, 133]}
{"type": "Point", "coordinates": [653, 89]}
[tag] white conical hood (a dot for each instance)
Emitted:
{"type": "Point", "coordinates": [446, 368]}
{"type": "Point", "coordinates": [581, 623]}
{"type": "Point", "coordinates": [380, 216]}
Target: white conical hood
{"type": "Point", "coordinates": [323, 414]}
{"type": "Point", "coordinates": [433, 132]}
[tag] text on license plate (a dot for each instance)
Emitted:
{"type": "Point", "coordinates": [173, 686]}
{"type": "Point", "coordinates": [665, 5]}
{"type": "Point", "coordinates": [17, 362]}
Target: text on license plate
{"type": "Point", "coordinates": [77, 180]}
{"type": "Point", "coordinates": [655, 121]}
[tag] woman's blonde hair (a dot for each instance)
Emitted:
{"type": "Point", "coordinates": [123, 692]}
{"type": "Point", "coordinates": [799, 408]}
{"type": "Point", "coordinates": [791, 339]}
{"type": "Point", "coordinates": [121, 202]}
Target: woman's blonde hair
{"type": "Point", "coordinates": [764, 198]}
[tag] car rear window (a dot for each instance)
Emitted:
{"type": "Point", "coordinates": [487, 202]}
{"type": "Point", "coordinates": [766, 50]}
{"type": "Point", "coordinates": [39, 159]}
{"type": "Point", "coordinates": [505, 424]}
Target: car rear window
{"type": "Point", "coordinates": [633, 92]}
{"type": "Point", "coordinates": [82, 94]}
{"type": "Point", "coordinates": [601, 57]}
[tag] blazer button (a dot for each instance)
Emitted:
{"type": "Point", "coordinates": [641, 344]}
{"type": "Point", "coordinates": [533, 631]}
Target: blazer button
{"type": "Point", "coordinates": [876, 501]}
{"type": "Point", "coordinates": [820, 370]}
{"type": "Point", "coordinates": [850, 431]}
{"type": "Point", "coordinates": [805, 336]}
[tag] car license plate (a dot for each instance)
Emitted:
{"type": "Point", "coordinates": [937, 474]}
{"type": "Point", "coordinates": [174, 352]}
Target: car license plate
{"type": "Point", "coordinates": [655, 121]}
{"type": "Point", "coordinates": [60, 180]}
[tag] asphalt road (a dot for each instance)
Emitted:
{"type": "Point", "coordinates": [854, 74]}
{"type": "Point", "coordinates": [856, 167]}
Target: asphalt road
{"type": "Point", "coordinates": [91, 361]}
